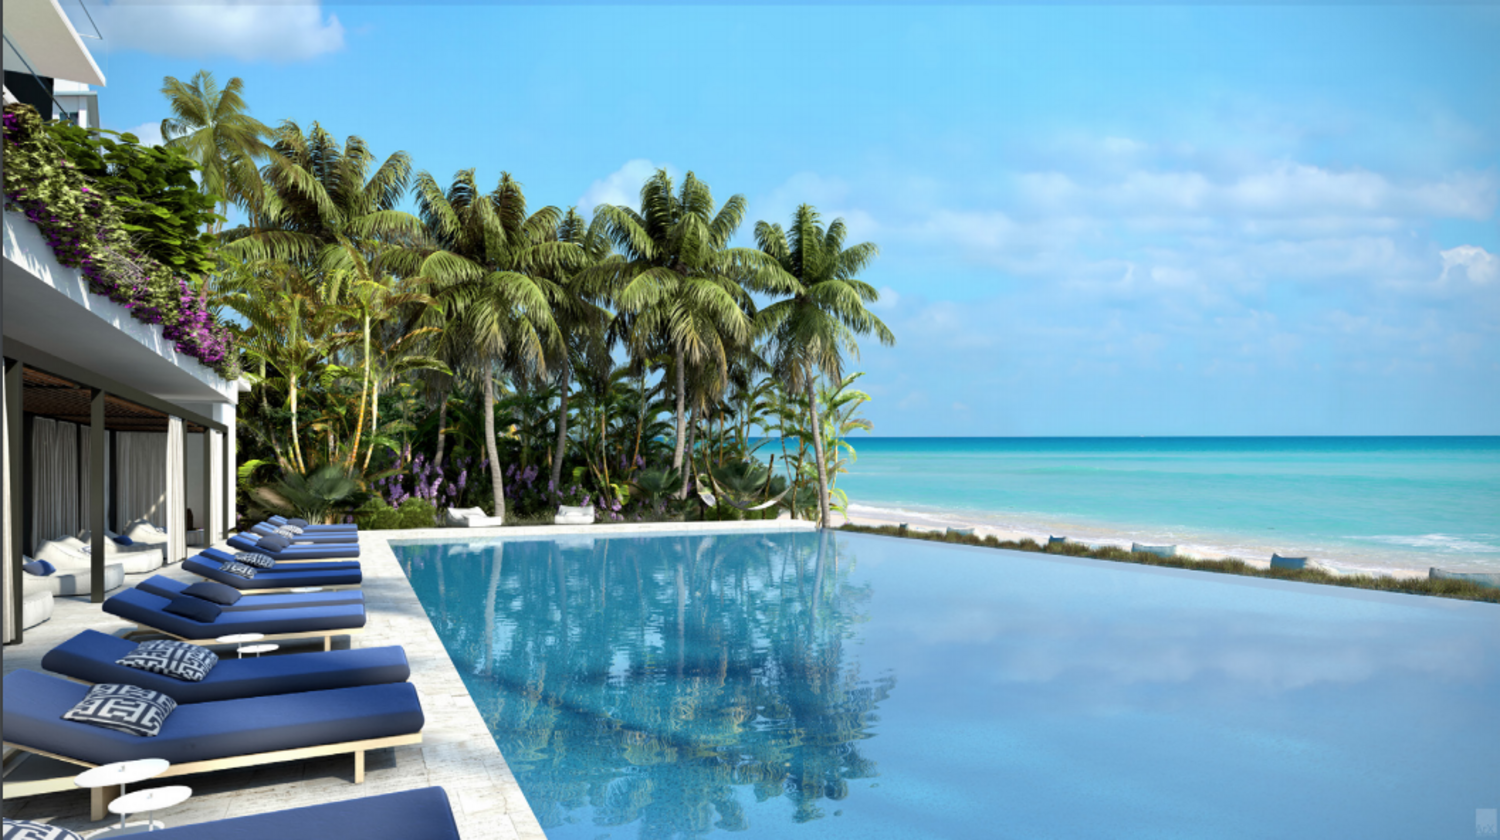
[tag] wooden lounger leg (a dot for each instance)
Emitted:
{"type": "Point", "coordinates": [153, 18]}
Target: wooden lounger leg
{"type": "Point", "coordinates": [359, 767]}
{"type": "Point", "coordinates": [327, 643]}
{"type": "Point", "coordinates": [99, 799]}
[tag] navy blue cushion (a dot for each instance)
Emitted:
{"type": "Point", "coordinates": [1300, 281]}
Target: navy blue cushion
{"type": "Point", "coordinates": [300, 523]}
{"type": "Point", "coordinates": [40, 568]}
{"type": "Point", "coordinates": [34, 704]}
{"type": "Point", "coordinates": [275, 579]}
{"type": "Point", "coordinates": [169, 588]}
{"type": "Point", "coordinates": [123, 540]}
{"type": "Point", "coordinates": [216, 593]}
{"type": "Point", "coordinates": [273, 542]}
{"type": "Point", "coordinates": [331, 565]}
{"type": "Point", "coordinates": [195, 608]}
{"type": "Point", "coordinates": [422, 813]}
{"type": "Point", "coordinates": [147, 609]}
{"type": "Point", "coordinates": [91, 656]}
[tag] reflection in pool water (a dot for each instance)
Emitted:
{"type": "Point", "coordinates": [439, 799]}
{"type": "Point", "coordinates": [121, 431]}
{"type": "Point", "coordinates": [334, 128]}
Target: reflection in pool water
{"type": "Point", "coordinates": [685, 685]}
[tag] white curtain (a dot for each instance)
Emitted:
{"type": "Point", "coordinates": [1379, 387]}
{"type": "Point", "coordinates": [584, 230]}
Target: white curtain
{"type": "Point", "coordinates": [141, 488]}
{"type": "Point", "coordinates": [176, 503]}
{"type": "Point", "coordinates": [54, 480]}
{"type": "Point", "coordinates": [85, 443]}
{"type": "Point", "coordinates": [10, 619]}
{"type": "Point", "coordinates": [213, 493]}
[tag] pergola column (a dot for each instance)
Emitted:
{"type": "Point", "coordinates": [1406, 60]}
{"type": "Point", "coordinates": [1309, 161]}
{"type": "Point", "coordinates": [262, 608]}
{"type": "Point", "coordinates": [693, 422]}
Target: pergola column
{"type": "Point", "coordinates": [13, 507]}
{"type": "Point", "coordinates": [231, 483]}
{"type": "Point", "coordinates": [208, 486]}
{"type": "Point", "coordinates": [96, 494]}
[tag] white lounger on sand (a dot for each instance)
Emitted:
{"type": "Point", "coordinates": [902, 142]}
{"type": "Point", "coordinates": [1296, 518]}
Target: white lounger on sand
{"type": "Point", "coordinates": [473, 518]}
{"type": "Point", "coordinates": [570, 515]}
{"type": "Point", "coordinates": [1481, 578]}
{"type": "Point", "coordinates": [1158, 550]}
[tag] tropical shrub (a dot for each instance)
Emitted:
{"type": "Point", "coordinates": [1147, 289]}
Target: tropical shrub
{"type": "Point", "coordinates": [87, 230]}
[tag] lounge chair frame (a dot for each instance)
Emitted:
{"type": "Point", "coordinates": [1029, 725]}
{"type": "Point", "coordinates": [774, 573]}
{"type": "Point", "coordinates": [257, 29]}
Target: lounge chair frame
{"type": "Point", "coordinates": [101, 797]}
{"type": "Point", "coordinates": [148, 630]}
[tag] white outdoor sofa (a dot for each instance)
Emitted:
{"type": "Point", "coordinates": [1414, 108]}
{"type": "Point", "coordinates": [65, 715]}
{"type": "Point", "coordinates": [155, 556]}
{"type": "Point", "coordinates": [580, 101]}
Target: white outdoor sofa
{"type": "Point", "coordinates": [473, 518]}
{"type": "Point", "coordinates": [569, 515]}
{"type": "Point", "coordinates": [74, 575]}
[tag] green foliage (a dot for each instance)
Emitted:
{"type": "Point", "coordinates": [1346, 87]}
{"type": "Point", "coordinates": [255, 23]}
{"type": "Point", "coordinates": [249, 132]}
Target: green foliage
{"type": "Point", "coordinates": [153, 187]}
{"type": "Point", "coordinates": [315, 496]}
{"type": "Point", "coordinates": [417, 513]}
{"type": "Point", "coordinates": [1459, 589]}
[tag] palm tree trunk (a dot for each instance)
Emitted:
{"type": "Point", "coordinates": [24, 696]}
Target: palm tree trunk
{"type": "Point", "coordinates": [496, 477]}
{"type": "Point", "coordinates": [296, 435]}
{"type": "Point", "coordinates": [442, 430]}
{"type": "Point", "coordinates": [374, 423]}
{"type": "Point", "coordinates": [817, 434]}
{"type": "Point", "coordinates": [687, 469]}
{"type": "Point", "coordinates": [364, 392]}
{"type": "Point", "coordinates": [562, 423]}
{"type": "Point", "coordinates": [681, 408]}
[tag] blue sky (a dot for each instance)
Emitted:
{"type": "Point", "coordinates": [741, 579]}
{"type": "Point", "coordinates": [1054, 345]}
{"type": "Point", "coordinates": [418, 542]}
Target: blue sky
{"type": "Point", "coordinates": [1143, 220]}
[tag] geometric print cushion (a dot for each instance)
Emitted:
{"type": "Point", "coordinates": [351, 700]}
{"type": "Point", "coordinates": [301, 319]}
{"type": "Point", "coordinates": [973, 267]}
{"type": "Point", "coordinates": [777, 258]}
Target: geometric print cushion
{"type": "Point", "coordinates": [169, 658]}
{"type": "Point", "coordinates": [126, 708]}
{"type": "Point", "coordinates": [289, 531]}
{"type": "Point", "coordinates": [240, 569]}
{"type": "Point", "coordinates": [28, 830]}
{"type": "Point", "coordinates": [254, 558]}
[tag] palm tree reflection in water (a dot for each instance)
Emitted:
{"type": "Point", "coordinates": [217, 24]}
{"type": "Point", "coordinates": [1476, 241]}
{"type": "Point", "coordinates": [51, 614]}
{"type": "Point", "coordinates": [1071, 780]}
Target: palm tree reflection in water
{"type": "Point", "coordinates": [664, 682]}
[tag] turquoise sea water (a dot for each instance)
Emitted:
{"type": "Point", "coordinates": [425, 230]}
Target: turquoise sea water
{"type": "Point", "coordinates": [1355, 502]}
{"type": "Point", "coordinates": [837, 686]}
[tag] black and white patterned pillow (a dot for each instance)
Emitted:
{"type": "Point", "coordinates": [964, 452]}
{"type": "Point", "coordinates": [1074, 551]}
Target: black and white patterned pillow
{"type": "Point", "coordinates": [126, 708]}
{"type": "Point", "coordinates": [289, 531]}
{"type": "Point", "coordinates": [255, 558]}
{"type": "Point", "coordinates": [28, 830]}
{"type": "Point", "coordinates": [178, 660]}
{"type": "Point", "coordinates": [239, 569]}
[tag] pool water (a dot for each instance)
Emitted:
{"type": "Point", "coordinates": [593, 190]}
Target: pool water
{"type": "Point", "coordinates": [829, 685]}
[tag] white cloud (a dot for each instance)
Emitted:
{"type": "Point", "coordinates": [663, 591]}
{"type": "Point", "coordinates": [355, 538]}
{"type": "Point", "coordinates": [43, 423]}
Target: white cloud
{"type": "Point", "coordinates": [269, 31]}
{"type": "Point", "coordinates": [1480, 266]}
{"type": "Point", "coordinates": [888, 299]}
{"type": "Point", "coordinates": [149, 133]}
{"type": "Point", "coordinates": [621, 187]}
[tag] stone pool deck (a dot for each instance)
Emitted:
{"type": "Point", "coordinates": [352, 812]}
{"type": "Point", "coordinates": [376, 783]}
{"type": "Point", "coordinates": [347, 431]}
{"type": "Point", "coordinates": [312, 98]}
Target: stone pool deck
{"type": "Point", "coordinates": [456, 750]}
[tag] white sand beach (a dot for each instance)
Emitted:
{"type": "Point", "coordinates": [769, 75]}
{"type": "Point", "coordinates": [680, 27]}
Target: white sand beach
{"type": "Point", "coordinates": [1259, 556]}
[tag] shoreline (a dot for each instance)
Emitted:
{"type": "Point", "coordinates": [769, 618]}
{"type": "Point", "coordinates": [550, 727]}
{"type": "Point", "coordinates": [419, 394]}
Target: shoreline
{"type": "Point", "coordinates": [875, 516]}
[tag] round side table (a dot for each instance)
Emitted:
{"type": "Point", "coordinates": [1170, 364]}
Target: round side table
{"type": "Point", "coordinates": [307, 589]}
{"type": "Point", "coordinates": [259, 649]}
{"type": "Point", "coordinates": [149, 800]}
{"type": "Point", "coordinates": [239, 640]}
{"type": "Point", "coordinates": [118, 774]}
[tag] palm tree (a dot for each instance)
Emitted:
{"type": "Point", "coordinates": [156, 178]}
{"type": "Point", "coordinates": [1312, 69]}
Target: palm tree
{"type": "Point", "coordinates": [212, 127]}
{"type": "Point", "coordinates": [811, 330]}
{"type": "Point", "coordinates": [680, 282]}
{"type": "Point", "coordinates": [580, 320]}
{"type": "Point", "coordinates": [487, 271]}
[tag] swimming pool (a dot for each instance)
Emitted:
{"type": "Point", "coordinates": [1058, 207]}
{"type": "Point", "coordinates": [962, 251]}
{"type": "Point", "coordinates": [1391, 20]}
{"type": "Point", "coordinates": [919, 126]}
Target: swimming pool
{"type": "Point", "coordinates": [830, 685]}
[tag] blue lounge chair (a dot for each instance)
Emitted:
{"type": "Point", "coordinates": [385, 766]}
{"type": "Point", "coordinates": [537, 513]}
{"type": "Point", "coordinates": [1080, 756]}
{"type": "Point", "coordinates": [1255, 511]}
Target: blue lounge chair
{"type": "Point", "coordinates": [199, 737]}
{"type": "Point", "coordinates": [320, 538]}
{"type": "Point", "coordinates": [278, 521]}
{"type": "Point", "coordinates": [168, 588]}
{"type": "Point", "coordinates": [91, 657]}
{"type": "Point", "coordinates": [149, 612]}
{"type": "Point", "coordinates": [423, 813]}
{"type": "Point", "coordinates": [325, 551]}
{"type": "Point", "coordinates": [273, 580]}
{"type": "Point", "coordinates": [296, 566]}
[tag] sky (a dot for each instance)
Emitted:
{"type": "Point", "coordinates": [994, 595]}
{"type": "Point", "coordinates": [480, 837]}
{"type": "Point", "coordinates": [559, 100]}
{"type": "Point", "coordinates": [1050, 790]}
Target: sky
{"type": "Point", "coordinates": [1117, 220]}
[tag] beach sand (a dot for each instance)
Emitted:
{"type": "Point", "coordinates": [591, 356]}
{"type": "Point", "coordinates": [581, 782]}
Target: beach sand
{"type": "Point", "coordinates": [875, 517]}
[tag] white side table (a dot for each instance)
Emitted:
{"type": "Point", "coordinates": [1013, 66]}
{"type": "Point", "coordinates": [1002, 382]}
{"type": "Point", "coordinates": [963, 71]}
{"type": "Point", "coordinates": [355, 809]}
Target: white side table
{"type": "Point", "coordinates": [109, 780]}
{"type": "Point", "coordinates": [150, 801]}
{"type": "Point", "coordinates": [258, 649]}
{"type": "Point", "coordinates": [307, 589]}
{"type": "Point", "coordinates": [239, 640]}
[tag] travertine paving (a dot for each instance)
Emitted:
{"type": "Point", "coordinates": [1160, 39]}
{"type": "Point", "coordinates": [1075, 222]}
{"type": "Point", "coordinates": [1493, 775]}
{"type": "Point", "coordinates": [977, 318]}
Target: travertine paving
{"type": "Point", "coordinates": [457, 752]}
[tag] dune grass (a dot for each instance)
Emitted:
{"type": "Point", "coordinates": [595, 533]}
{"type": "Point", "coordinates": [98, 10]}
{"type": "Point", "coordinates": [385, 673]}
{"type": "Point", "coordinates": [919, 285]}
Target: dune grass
{"type": "Point", "coordinates": [1459, 589]}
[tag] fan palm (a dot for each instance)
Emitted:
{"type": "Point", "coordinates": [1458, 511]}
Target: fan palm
{"type": "Point", "coordinates": [679, 282]}
{"type": "Point", "coordinates": [213, 128]}
{"type": "Point", "coordinates": [813, 329]}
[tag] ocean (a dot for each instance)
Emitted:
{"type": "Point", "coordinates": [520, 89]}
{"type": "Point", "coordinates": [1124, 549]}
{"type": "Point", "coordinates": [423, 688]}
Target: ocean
{"type": "Point", "coordinates": [1353, 503]}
